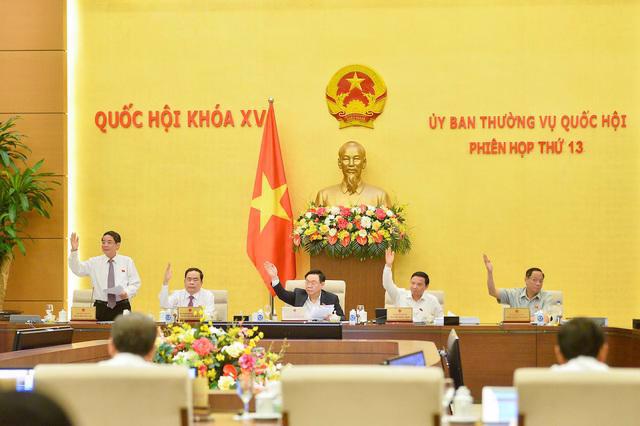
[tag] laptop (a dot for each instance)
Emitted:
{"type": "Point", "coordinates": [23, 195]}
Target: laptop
{"type": "Point", "coordinates": [22, 376]}
{"type": "Point", "coordinates": [499, 406]}
{"type": "Point", "coordinates": [415, 359]}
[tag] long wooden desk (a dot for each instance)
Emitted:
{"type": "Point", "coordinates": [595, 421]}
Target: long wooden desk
{"type": "Point", "coordinates": [490, 353]}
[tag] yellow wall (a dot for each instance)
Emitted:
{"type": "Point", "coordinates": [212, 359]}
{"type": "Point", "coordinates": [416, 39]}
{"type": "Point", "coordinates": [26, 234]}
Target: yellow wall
{"type": "Point", "coordinates": [184, 195]}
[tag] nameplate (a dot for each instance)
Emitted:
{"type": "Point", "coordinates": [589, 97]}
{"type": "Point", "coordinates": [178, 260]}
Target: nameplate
{"type": "Point", "coordinates": [399, 314]}
{"type": "Point", "coordinates": [293, 313]}
{"type": "Point", "coordinates": [83, 314]}
{"type": "Point", "coordinates": [522, 315]}
{"type": "Point", "coordinates": [193, 313]}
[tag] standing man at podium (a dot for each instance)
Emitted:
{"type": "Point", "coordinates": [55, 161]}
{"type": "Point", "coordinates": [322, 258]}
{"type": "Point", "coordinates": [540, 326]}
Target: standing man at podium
{"type": "Point", "coordinates": [114, 277]}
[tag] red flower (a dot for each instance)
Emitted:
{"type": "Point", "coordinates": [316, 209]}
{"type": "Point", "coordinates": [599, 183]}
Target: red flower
{"type": "Point", "coordinates": [296, 240]}
{"type": "Point", "coordinates": [357, 223]}
{"type": "Point", "coordinates": [345, 241]}
{"type": "Point", "coordinates": [381, 214]}
{"type": "Point", "coordinates": [202, 346]}
{"type": "Point", "coordinates": [345, 212]}
{"type": "Point", "coordinates": [342, 223]}
{"type": "Point", "coordinates": [230, 370]}
{"type": "Point", "coordinates": [361, 240]}
{"type": "Point", "coordinates": [332, 239]}
{"type": "Point", "coordinates": [247, 362]}
{"type": "Point", "coordinates": [363, 208]}
{"type": "Point", "coordinates": [377, 237]}
{"type": "Point", "coordinates": [202, 371]}
{"type": "Point", "coordinates": [321, 211]}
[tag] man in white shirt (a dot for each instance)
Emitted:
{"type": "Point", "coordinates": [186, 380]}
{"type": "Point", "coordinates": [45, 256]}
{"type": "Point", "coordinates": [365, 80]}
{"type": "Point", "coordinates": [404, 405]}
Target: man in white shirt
{"type": "Point", "coordinates": [193, 294]}
{"type": "Point", "coordinates": [114, 277]}
{"type": "Point", "coordinates": [581, 347]}
{"type": "Point", "coordinates": [425, 306]}
{"type": "Point", "coordinates": [133, 341]}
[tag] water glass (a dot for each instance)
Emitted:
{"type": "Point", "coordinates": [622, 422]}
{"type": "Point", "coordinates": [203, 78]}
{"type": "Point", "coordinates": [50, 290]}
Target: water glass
{"type": "Point", "coordinates": [244, 387]}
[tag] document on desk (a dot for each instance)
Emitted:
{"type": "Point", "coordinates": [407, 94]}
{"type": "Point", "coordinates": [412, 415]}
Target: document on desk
{"type": "Point", "coordinates": [320, 312]}
{"type": "Point", "coordinates": [115, 290]}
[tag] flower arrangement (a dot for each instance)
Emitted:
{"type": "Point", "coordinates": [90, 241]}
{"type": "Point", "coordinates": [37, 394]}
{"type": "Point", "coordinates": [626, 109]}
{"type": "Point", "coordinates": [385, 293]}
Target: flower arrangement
{"type": "Point", "coordinates": [217, 354]}
{"type": "Point", "coordinates": [362, 231]}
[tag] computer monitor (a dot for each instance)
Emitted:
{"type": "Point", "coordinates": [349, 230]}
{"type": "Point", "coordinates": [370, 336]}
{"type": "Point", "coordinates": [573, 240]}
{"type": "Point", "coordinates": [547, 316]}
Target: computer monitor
{"type": "Point", "coordinates": [499, 406]}
{"type": "Point", "coordinates": [22, 376]}
{"type": "Point", "coordinates": [42, 337]}
{"type": "Point", "coordinates": [415, 359]}
{"type": "Point", "coordinates": [454, 360]}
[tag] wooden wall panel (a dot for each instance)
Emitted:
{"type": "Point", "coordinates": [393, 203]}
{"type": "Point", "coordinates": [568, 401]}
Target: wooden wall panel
{"type": "Point", "coordinates": [54, 227]}
{"type": "Point", "coordinates": [33, 81]}
{"type": "Point", "coordinates": [32, 24]}
{"type": "Point", "coordinates": [40, 274]}
{"type": "Point", "coordinates": [46, 135]}
{"type": "Point", "coordinates": [33, 71]}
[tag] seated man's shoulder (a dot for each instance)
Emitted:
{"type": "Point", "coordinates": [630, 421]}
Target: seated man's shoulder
{"type": "Point", "coordinates": [431, 297]}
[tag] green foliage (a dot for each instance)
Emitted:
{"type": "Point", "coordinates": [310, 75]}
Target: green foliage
{"type": "Point", "coordinates": [23, 189]}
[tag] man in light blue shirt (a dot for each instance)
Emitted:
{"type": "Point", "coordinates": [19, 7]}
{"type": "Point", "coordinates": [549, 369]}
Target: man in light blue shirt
{"type": "Point", "coordinates": [530, 296]}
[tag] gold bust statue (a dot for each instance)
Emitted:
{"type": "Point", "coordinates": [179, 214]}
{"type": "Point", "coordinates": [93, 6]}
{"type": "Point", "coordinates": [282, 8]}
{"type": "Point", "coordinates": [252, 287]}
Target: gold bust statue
{"type": "Point", "coordinates": [352, 159]}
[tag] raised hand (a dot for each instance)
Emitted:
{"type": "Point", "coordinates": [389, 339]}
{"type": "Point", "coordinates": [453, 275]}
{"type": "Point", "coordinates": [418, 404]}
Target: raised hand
{"type": "Point", "coordinates": [75, 241]}
{"type": "Point", "coordinates": [487, 263]}
{"type": "Point", "coordinates": [271, 269]}
{"type": "Point", "coordinates": [389, 256]}
{"type": "Point", "coordinates": [168, 274]}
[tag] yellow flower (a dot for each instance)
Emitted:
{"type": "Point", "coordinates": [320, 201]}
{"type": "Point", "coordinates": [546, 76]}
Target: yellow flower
{"type": "Point", "coordinates": [324, 229]}
{"type": "Point", "coordinates": [261, 335]}
{"type": "Point", "coordinates": [220, 357]}
{"type": "Point", "coordinates": [211, 374]}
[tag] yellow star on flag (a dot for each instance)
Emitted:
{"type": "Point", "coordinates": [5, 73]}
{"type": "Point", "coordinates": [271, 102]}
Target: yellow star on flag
{"type": "Point", "coordinates": [269, 202]}
{"type": "Point", "coordinates": [355, 81]}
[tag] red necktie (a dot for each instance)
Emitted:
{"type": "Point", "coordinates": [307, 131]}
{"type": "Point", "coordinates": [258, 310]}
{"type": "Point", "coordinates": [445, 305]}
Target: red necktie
{"type": "Point", "coordinates": [190, 301]}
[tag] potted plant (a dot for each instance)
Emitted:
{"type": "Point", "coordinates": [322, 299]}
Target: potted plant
{"type": "Point", "coordinates": [22, 190]}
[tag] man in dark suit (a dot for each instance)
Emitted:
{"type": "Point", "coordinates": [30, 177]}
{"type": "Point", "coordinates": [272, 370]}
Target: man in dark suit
{"type": "Point", "coordinates": [312, 295]}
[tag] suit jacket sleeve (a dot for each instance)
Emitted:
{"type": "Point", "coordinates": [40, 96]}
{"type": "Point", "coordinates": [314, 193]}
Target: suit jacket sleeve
{"type": "Point", "coordinates": [286, 296]}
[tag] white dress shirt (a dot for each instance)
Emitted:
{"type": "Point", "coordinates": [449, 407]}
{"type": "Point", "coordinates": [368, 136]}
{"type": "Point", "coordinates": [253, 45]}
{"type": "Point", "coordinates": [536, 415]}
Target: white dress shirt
{"type": "Point", "coordinates": [125, 359]}
{"type": "Point", "coordinates": [126, 274]}
{"type": "Point", "coordinates": [581, 363]}
{"type": "Point", "coordinates": [428, 304]}
{"type": "Point", "coordinates": [180, 299]}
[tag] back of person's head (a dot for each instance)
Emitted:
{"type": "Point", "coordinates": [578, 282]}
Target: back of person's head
{"type": "Point", "coordinates": [580, 336]}
{"type": "Point", "coordinates": [134, 333]}
{"type": "Point", "coordinates": [30, 409]}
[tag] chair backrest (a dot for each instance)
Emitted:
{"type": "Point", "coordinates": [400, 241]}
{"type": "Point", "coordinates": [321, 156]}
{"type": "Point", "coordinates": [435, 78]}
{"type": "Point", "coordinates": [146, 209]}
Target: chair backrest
{"type": "Point", "coordinates": [393, 395]}
{"type": "Point", "coordinates": [221, 302]}
{"type": "Point", "coordinates": [454, 359]}
{"type": "Point", "coordinates": [555, 296]}
{"type": "Point", "coordinates": [337, 287]}
{"type": "Point", "coordinates": [439, 294]}
{"type": "Point", "coordinates": [113, 395]}
{"type": "Point", "coordinates": [547, 397]}
{"type": "Point", "coordinates": [82, 298]}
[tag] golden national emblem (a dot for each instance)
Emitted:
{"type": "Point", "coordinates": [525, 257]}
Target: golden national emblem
{"type": "Point", "coordinates": [356, 95]}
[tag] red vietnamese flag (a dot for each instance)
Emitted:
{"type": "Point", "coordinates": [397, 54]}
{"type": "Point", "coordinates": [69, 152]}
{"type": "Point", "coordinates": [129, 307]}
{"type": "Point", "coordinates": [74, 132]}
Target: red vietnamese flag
{"type": "Point", "coordinates": [270, 217]}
